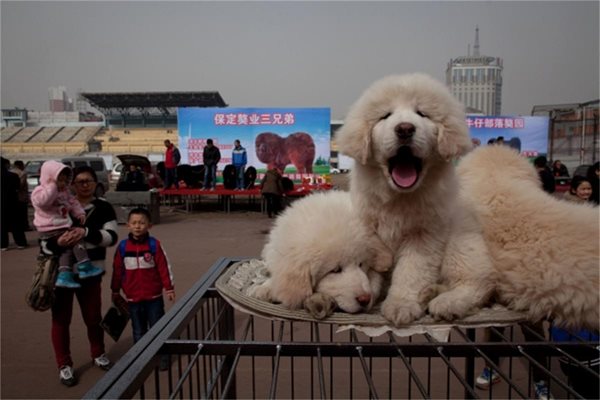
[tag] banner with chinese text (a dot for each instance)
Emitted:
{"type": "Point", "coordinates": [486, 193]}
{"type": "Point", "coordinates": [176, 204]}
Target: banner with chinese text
{"type": "Point", "coordinates": [296, 140]}
{"type": "Point", "coordinates": [528, 135]}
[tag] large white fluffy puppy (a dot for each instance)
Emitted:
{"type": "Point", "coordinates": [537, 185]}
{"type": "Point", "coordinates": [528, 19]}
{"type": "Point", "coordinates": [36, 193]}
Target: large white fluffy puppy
{"type": "Point", "coordinates": [319, 256]}
{"type": "Point", "coordinates": [545, 249]}
{"type": "Point", "coordinates": [404, 132]}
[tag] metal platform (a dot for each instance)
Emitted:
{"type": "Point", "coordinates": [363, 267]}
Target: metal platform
{"type": "Point", "coordinates": [218, 352]}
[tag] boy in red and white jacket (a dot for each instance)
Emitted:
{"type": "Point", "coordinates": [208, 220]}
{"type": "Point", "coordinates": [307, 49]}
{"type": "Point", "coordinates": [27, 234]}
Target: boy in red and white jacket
{"type": "Point", "coordinates": [142, 270]}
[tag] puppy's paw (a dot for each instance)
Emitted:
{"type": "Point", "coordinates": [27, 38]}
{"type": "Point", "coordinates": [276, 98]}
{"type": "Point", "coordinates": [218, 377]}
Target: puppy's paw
{"type": "Point", "coordinates": [449, 307]}
{"type": "Point", "coordinates": [401, 312]}
{"type": "Point", "coordinates": [320, 305]}
{"type": "Point", "coordinates": [261, 292]}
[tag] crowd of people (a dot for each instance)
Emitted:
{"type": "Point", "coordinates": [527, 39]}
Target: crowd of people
{"type": "Point", "coordinates": [271, 185]}
{"type": "Point", "coordinates": [76, 227]}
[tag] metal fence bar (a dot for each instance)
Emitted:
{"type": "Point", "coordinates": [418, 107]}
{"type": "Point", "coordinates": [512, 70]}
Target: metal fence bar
{"type": "Point", "coordinates": [216, 373]}
{"type": "Point", "coordinates": [579, 363]}
{"type": "Point", "coordinates": [547, 372]}
{"type": "Point", "coordinates": [275, 373]}
{"type": "Point", "coordinates": [292, 360]}
{"type": "Point", "coordinates": [179, 386]}
{"type": "Point", "coordinates": [320, 364]}
{"type": "Point", "coordinates": [365, 368]}
{"type": "Point", "coordinates": [231, 376]}
{"type": "Point", "coordinates": [461, 379]}
{"type": "Point", "coordinates": [495, 367]}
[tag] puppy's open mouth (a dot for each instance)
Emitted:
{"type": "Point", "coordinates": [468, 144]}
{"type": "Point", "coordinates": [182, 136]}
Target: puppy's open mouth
{"type": "Point", "coordinates": [404, 168]}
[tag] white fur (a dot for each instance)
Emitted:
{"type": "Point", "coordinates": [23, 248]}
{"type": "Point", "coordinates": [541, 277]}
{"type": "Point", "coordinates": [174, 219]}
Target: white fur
{"type": "Point", "coordinates": [309, 242]}
{"type": "Point", "coordinates": [421, 222]}
{"type": "Point", "coordinates": [545, 249]}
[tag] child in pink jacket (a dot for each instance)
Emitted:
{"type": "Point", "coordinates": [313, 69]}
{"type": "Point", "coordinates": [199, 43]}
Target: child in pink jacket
{"type": "Point", "coordinates": [54, 206]}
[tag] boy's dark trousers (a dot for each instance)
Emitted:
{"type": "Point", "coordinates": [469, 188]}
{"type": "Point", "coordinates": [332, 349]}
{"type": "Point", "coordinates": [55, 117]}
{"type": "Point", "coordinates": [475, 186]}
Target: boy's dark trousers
{"type": "Point", "coordinates": [144, 315]}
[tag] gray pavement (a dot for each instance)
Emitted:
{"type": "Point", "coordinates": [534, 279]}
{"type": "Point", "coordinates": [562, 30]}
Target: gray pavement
{"type": "Point", "coordinates": [193, 243]}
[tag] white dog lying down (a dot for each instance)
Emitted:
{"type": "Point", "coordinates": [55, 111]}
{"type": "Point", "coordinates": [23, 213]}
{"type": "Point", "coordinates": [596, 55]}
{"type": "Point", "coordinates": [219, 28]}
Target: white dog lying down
{"type": "Point", "coordinates": [319, 256]}
{"type": "Point", "coordinates": [404, 132]}
{"type": "Point", "coordinates": [545, 249]}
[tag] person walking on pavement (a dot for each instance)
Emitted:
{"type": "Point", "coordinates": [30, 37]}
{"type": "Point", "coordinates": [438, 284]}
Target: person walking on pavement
{"type": "Point", "coordinates": [19, 169]}
{"type": "Point", "coordinates": [211, 157]}
{"type": "Point", "coordinates": [9, 221]}
{"type": "Point", "coordinates": [239, 160]}
{"type": "Point", "coordinates": [172, 159]}
{"type": "Point", "coordinates": [98, 232]}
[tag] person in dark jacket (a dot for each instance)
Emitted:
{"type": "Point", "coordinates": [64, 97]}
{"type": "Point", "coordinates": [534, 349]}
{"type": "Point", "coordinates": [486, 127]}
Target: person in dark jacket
{"type": "Point", "coordinates": [19, 169]}
{"type": "Point", "coordinates": [593, 175]}
{"type": "Point", "coordinates": [211, 157]}
{"type": "Point", "coordinates": [559, 169]}
{"type": "Point", "coordinates": [9, 220]}
{"type": "Point", "coordinates": [135, 180]}
{"type": "Point", "coordinates": [272, 190]}
{"type": "Point", "coordinates": [546, 177]}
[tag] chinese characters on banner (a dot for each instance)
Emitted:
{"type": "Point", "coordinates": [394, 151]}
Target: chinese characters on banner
{"type": "Point", "coordinates": [496, 122]}
{"type": "Point", "coordinates": [234, 119]}
{"type": "Point", "coordinates": [527, 135]}
{"type": "Point", "coordinates": [249, 126]}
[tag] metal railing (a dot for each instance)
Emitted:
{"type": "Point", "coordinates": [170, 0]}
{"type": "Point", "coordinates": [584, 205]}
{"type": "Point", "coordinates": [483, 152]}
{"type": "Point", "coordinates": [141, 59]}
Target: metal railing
{"type": "Point", "coordinates": [215, 351]}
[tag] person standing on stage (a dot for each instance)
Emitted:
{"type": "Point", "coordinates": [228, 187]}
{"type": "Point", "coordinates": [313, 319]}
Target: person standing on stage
{"type": "Point", "coordinates": [172, 158]}
{"type": "Point", "coordinates": [239, 160]}
{"type": "Point", "coordinates": [211, 157]}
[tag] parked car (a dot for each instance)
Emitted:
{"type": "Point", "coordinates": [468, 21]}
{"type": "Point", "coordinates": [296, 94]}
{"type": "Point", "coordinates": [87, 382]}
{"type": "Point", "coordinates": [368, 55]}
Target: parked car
{"type": "Point", "coordinates": [32, 168]}
{"type": "Point", "coordinates": [97, 163]}
{"type": "Point", "coordinates": [115, 172]}
{"type": "Point", "coordinates": [119, 171]}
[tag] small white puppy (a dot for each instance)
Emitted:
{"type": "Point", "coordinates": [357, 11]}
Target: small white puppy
{"type": "Point", "coordinates": [404, 132]}
{"type": "Point", "coordinates": [319, 256]}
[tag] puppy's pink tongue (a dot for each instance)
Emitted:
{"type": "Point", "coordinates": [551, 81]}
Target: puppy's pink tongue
{"type": "Point", "coordinates": [404, 175]}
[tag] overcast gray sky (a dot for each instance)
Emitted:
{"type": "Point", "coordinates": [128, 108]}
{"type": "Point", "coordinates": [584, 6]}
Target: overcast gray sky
{"type": "Point", "coordinates": [300, 54]}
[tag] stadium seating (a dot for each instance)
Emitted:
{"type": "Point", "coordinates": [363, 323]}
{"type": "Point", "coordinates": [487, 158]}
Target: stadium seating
{"type": "Point", "coordinates": [25, 134]}
{"type": "Point", "coordinates": [45, 134]}
{"type": "Point", "coordinates": [9, 132]}
{"type": "Point", "coordinates": [46, 142]}
{"type": "Point", "coordinates": [136, 140]}
{"type": "Point", "coordinates": [66, 134]}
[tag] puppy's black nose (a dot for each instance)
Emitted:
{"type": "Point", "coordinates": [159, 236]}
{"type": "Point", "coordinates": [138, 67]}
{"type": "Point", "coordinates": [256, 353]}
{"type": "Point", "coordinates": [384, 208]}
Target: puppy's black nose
{"type": "Point", "coordinates": [405, 130]}
{"type": "Point", "coordinates": [364, 300]}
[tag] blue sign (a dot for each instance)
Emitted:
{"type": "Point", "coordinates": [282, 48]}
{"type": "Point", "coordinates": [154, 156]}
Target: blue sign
{"type": "Point", "coordinates": [528, 135]}
{"type": "Point", "coordinates": [296, 140]}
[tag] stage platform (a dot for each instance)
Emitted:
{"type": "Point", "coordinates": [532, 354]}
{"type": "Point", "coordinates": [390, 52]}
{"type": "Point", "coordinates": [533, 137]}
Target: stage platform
{"type": "Point", "coordinates": [191, 197]}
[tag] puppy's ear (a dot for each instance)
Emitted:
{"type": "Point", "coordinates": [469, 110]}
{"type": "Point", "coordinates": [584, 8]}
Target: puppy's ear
{"type": "Point", "coordinates": [354, 139]}
{"type": "Point", "coordinates": [453, 137]}
{"type": "Point", "coordinates": [292, 285]}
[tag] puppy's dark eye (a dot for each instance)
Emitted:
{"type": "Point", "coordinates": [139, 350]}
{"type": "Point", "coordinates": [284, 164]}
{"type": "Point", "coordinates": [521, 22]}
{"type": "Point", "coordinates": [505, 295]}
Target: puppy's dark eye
{"type": "Point", "coordinates": [422, 114]}
{"type": "Point", "coordinates": [337, 269]}
{"type": "Point", "coordinates": [360, 265]}
{"type": "Point", "coordinates": [386, 116]}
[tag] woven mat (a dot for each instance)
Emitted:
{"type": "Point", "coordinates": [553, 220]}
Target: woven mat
{"type": "Point", "coordinates": [242, 277]}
